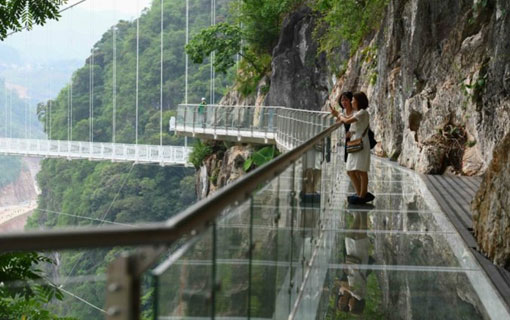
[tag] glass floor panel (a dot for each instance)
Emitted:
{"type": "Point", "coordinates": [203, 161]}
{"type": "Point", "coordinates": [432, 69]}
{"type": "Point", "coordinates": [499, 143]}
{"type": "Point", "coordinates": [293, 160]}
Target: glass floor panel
{"type": "Point", "coordinates": [350, 291]}
{"type": "Point", "coordinates": [284, 256]}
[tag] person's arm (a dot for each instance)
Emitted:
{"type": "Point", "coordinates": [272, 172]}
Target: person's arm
{"type": "Point", "coordinates": [355, 117]}
{"type": "Point", "coordinates": [348, 120]}
{"type": "Point", "coordinates": [335, 113]}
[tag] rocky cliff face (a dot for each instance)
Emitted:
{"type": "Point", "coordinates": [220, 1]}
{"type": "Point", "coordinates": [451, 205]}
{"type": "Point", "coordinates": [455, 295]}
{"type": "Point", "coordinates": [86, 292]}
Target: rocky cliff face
{"type": "Point", "coordinates": [299, 76]}
{"type": "Point", "coordinates": [24, 189]}
{"type": "Point", "coordinates": [437, 74]}
{"type": "Point", "coordinates": [221, 168]}
{"type": "Point", "coordinates": [491, 207]}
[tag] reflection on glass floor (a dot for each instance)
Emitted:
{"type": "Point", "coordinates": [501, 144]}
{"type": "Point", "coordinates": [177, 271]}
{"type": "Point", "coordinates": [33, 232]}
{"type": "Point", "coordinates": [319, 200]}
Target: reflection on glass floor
{"type": "Point", "coordinates": [285, 255]}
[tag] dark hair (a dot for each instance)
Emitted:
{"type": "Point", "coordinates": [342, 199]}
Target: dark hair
{"type": "Point", "coordinates": [362, 100]}
{"type": "Point", "coordinates": [347, 94]}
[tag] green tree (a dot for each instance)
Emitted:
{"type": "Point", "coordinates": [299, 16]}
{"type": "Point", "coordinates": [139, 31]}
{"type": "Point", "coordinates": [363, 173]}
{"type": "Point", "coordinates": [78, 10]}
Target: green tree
{"type": "Point", "coordinates": [25, 291]}
{"type": "Point", "coordinates": [18, 14]}
{"type": "Point", "coordinates": [252, 32]}
{"type": "Point", "coordinates": [347, 20]}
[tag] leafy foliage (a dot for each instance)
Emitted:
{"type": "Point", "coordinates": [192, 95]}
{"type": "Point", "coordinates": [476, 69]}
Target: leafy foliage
{"type": "Point", "coordinates": [17, 14]}
{"type": "Point", "coordinates": [347, 20]}
{"type": "Point", "coordinates": [223, 38]}
{"type": "Point", "coordinates": [200, 151]}
{"type": "Point", "coordinates": [25, 291]}
{"type": "Point", "coordinates": [260, 157]}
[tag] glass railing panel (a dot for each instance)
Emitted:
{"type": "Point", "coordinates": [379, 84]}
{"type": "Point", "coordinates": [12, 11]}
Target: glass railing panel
{"type": "Point", "coordinates": [190, 116]}
{"type": "Point", "coordinates": [180, 115]}
{"type": "Point", "coordinates": [209, 115]}
{"type": "Point", "coordinates": [184, 280]}
{"type": "Point", "coordinates": [244, 118]}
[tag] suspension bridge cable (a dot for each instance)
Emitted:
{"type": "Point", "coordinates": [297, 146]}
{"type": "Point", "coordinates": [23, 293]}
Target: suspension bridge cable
{"type": "Point", "coordinates": [71, 115]}
{"type": "Point", "coordinates": [161, 80]}
{"type": "Point", "coordinates": [137, 68]}
{"type": "Point", "coordinates": [29, 100]}
{"type": "Point", "coordinates": [114, 75]}
{"type": "Point", "coordinates": [91, 61]}
{"type": "Point", "coordinates": [71, 87]}
{"type": "Point", "coordinates": [69, 94]}
{"type": "Point", "coordinates": [86, 218]}
{"type": "Point", "coordinates": [211, 58]}
{"type": "Point", "coordinates": [6, 131]}
{"type": "Point", "coordinates": [81, 299]}
{"type": "Point", "coordinates": [69, 112]}
{"type": "Point", "coordinates": [10, 114]}
{"type": "Point", "coordinates": [186, 54]}
{"type": "Point", "coordinates": [50, 87]}
{"type": "Point", "coordinates": [26, 102]}
{"type": "Point", "coordinates": [26, 97]}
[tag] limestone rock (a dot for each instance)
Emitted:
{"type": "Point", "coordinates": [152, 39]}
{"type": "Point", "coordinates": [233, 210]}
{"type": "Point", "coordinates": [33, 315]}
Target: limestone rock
{"type": "Point", "coordinates": [491, 207]}
{"type": "Point", "coordinates": [299, 77]}
{"type": "Point", "coordinates": [472, 162]}
{"type": "Point", "coordinates": [221, 168]}
{"type": "Point", "coordinates": [437, 62]}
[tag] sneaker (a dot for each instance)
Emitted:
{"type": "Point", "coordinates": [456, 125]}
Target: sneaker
{"type": "Point", "coordinates": [369, 197]}
{"type": "Point", "coordinates": [355, 200]}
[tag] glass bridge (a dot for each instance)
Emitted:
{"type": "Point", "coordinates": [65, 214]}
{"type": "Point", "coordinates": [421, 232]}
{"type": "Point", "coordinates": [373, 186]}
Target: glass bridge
{"type": "Point", "coordinates": [283, 243]}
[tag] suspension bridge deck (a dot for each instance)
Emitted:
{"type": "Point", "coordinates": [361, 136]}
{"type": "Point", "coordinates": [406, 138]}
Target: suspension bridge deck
{"type": "Point", "coordinates": [141, 153]}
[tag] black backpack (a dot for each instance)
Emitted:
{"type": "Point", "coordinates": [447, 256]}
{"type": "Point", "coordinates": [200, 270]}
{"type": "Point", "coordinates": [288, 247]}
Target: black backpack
{"type": "Point", "coordinates": [371, 138]}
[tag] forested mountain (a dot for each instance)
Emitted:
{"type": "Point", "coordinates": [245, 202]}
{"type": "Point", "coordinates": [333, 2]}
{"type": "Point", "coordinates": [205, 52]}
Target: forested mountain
{"type": "Point", "coordinates": [120, 193]}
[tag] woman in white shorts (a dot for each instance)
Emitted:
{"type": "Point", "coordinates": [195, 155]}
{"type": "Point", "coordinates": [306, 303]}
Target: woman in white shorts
{"type": "Point", "coordinates": [358, 163]}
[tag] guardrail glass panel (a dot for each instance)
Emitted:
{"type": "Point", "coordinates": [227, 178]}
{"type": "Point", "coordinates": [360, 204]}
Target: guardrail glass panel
{"type": "Point", "coordinates": [264, 250]}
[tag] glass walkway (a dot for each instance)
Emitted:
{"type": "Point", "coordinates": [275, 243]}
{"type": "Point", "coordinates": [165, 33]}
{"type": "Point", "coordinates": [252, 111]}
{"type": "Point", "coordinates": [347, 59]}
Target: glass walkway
{"type": "Point", "coordinates": [297, 250]}
{"type": "Point", "coordinates": [282, 243]}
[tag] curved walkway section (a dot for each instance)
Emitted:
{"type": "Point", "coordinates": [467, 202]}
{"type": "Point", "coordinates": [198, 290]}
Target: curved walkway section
{"type": "Point", "coordinates": [141, 153]}
{"type": "Point", "coordinates": [285, 127]}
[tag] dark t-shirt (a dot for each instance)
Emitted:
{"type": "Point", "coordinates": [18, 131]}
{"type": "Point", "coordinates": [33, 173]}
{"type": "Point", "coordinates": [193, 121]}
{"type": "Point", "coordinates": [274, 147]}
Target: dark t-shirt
{"type": "Point", "coordinates": [347, 126]}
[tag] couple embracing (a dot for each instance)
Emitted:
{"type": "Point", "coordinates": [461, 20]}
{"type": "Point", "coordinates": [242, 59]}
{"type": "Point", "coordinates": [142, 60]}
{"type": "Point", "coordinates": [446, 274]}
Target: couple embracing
{"type": "Point", "coordinates": [357, 147]}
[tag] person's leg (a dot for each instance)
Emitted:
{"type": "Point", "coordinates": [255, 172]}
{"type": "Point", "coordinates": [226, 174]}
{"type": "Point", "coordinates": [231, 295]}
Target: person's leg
{"type": "Point", "coordinates": [363, 178]}
{"type": "Point", "coordinates": [355, 181]}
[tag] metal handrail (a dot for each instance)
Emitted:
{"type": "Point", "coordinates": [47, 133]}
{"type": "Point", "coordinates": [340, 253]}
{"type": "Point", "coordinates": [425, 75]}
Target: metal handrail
{"type": "Point", "coordinates": [270, 124]}
{"type": "Point", "coordinates": [191, 220]}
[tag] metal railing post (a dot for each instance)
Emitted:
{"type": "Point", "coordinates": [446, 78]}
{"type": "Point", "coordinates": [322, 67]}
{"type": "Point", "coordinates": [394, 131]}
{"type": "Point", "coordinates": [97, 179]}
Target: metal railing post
{"type": "Point", "coordinates": [226, 122]}
{"type": "Point", "coordinates": [251, 119]}
{"type": "Point", "coordinates": [215, 120]}
{"type": "Point", "coordinates": [122, 291]}
{"type": "Point", "coordinates": [123, 285]}
{"type": "Point", "coordinates": [185, 113]}
{"type": "Point", "coordinates": [239, 123]}
{"type": "Point", "coordinates": [194, 119]}
{"type": "Point", "coordinates": [266, 118]}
